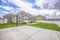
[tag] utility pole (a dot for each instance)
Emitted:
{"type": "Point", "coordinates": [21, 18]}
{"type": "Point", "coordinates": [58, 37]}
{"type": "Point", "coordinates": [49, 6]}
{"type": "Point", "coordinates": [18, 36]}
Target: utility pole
{"type": "Point", "coordinates": [54, 17]}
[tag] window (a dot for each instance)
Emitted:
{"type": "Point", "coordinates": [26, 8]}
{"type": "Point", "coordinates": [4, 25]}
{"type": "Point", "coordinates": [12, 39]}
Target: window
{"type": "Point", "coordinates": [19, 18]}
{"type": "Point", "coordinates": [25, 18]}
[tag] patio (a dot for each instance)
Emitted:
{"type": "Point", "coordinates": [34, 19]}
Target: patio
{"type": "Point", "coordinates": [28, 33]}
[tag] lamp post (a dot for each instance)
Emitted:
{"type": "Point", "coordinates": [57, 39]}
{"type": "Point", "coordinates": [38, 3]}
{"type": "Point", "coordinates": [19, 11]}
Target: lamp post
{"type": "Point", "coordinates": [16, 11]}
{"type": "Point", "coordinates": [54, 16]}
{"type": "Point", "coordinates": [17, 20]}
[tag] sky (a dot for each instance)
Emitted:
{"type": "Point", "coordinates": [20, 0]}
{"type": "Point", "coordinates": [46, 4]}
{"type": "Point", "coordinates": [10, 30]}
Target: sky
{"type": "Point", "coordinates": [35, 7]}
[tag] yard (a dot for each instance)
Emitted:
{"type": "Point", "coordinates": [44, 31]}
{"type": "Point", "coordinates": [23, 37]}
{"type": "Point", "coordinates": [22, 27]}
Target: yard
{"type": "Point", "coordinates": [46, 26]}
{"type": "Point", "coordinates": [7, 25]}
{"type": "Point", "coordinates": [39, 25]}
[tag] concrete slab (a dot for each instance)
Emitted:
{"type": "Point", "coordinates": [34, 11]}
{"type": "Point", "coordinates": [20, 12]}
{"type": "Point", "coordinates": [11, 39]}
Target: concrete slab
{"type": "Point", "coordinates": [44, 35]}
{"type": "Point", "coordinates": [7, 35]}
{"type": "Point", "coordinates": [28, 33]}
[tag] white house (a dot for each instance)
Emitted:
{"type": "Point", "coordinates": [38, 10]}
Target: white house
{"type": "Point", "coordinates": [23, 17]}
{"type": "Point", "coordinates": [2, 20]}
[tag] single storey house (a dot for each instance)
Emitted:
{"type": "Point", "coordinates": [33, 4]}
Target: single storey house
{"type": "Point", "coordinates": [40, 18]}
{"type": "Point", "coordinates": [2, 20]}
{"type": "Point", "coordinates": [8, 17]}
{"type": "Point", "coordinates": [23, 17]}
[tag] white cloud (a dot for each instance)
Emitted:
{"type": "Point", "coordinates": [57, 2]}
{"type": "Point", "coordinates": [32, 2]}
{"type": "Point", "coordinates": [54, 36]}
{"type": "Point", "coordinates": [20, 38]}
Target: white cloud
{"type": "Point", "coordinates": [7, 8]}
{"type": "Point", "coordinates": [4, 1]}
{"type": "Point", "coordinates": [40, 3]}
{"type": "Point", "coordinates": [1, 6]}
{"type": "Point", "coordinates": [28, 7]}
{"type": "Point", "coordinates": [58, 13]}
{"type": "Point", "coordinates": [52, 3]}
{"type": "Point", "coordinates": [5, 12]}
{"type": "Point", "coordinates": [25, 6]}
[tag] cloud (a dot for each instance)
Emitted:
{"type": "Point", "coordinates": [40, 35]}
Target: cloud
{"type": "Point", "coordinates": [7, 7]}
{"type": "Point", "coordinates": [33, 4]}
{"type": "Point", "coordinates": [52, 3]}
{"type": "Point", "coordinates": [25, 6]}
{"type": "Point", "coordinates": [47, 4]}
{"type": "Point", "coordinates": [40, 3]}
{"type": "Point", "coordinates": [34, 7]}
{"type": "Point", "coordinates": [7, 3]}
{"type": "Point", "coordinates": [28, 6]}
{"type": "Point", "coordinates": [29, 1]}
{"type": "Point", "coordinates": [57, 5]}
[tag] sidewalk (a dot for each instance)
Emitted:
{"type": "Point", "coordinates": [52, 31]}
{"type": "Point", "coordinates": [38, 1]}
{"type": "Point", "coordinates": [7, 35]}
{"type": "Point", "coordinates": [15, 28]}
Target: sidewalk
{"type": "Point", "coordinates": [28, 33]}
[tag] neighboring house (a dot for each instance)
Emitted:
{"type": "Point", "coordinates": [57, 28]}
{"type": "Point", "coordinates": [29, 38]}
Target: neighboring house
{"type": "Point", "coordinates": [23, 17]}
{"type": "Point", "coordinates": [40, 18]}
{"type": "Point", "coordinates": [2, 20]}
{"type": "Point", "coordinates": [8, 17]}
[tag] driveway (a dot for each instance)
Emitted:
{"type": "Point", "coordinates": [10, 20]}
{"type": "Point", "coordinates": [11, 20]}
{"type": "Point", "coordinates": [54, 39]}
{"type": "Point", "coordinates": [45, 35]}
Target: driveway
{"type": "Point", "coordinates": [28, 33]}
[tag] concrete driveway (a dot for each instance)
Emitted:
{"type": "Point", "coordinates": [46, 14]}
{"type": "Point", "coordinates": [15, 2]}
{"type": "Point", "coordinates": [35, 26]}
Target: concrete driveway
{"type": "Point", "coordinates": [28, 33]}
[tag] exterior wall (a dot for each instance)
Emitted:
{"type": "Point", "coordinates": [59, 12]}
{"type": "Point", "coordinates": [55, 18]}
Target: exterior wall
{"type": "Point", "coordinates": [29, 19]}
{"type": "Point", "coordinates": [58, 23]}
{"type": "Point", "coordinates": [3, 21]}
{"type": "Point", "coordinates": [14, 19]}
{"type": "Point", "coordinates": [9, 19]}
{"type": "Point", "coordinates": [40, 18]}
{"type": "Point", "coordinates": [26, 19]}
{"type": "Point", "coordinates": [44, 21]}
{"type": "Point", "coordinates": [52, 22]}
{"type": "Point", "coordinates": [22, 19]}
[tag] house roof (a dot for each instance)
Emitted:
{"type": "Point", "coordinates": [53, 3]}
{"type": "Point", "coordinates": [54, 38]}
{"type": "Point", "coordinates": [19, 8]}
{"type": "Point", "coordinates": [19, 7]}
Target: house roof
{"type": "Point", "coordinates": [40, 16]}
{"type": "Point", "coordinates": [21, 13]}
{"type": "Point", "coordinates": [24, 13]}
{"type": "Point", "coordinates": [8, 15]}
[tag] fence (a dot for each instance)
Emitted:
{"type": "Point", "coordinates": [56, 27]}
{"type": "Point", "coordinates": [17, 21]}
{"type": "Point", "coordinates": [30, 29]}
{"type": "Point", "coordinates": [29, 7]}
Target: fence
{"type": "Point", "coordinates": [53, 22]}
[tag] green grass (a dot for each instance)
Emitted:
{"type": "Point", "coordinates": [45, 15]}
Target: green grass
{"type": "Point", "coordinates": [47, 26]}
{"type": "Point", "coordinates": [7, 25]}
{"type": "Point", "coordinates": [39, 25]}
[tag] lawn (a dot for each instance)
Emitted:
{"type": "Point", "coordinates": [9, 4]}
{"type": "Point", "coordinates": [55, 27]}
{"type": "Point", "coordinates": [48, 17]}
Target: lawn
{"type": "Point", "coordinates": [47, 26]}
{"type": "Point", "coordinates": [7, 25]}
{"type": "Point", "coordinates": [39, 25]}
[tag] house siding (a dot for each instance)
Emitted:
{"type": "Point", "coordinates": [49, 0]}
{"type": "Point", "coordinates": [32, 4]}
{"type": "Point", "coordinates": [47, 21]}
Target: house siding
{"type": "Point", "coordinates": [40, 17]}
{"type": "Point", "coordinates": [3, 21]}
{"type": "Point", "coordinates": [23, 18]}
{"type": "Point", "coordinates": [13, 19]}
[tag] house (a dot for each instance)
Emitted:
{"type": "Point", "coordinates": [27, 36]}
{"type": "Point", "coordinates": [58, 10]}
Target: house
{"type": "Point", "coordinates": [2, 20]}
{"type": "Point", "coordinates": [40, 18]}
{"type": "Point", "coordinates": [8, 17]}
{"type": "Point", "coordinates": [23, 17]}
